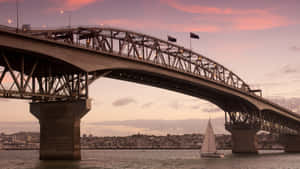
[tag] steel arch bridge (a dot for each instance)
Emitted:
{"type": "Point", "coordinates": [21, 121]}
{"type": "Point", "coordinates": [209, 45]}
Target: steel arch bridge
{"type": "Point", "coordinates": [59, 64]}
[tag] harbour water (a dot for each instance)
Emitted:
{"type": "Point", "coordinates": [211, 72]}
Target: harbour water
{"type": "Point", "coordinates": [151, 159]}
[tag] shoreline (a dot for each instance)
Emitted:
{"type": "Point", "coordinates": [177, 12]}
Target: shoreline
{"type": "Point", "coordinates": [12, 149]}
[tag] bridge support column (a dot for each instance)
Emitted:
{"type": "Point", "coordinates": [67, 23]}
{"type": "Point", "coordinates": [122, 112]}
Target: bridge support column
{"type": "Point", "coordinates": [291, 143]}
{"type": "Point", "coordinates": [243, 138]}
{"type": "Point", "coordinates": [60, 128]}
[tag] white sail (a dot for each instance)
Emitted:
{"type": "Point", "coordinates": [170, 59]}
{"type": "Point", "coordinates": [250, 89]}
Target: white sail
{"type": "Point", "coordinates": [209, 144]}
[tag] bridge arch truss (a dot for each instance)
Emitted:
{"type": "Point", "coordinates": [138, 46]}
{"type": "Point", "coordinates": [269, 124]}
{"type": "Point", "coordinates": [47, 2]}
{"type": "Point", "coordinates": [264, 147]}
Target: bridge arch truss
{"type": "Point", "coordinates": [146, 48]}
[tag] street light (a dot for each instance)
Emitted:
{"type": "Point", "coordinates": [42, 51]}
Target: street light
{"type": "Point", "coordinates": [69, 16]}
{"type": "Point", "coordinates": [9, 21]}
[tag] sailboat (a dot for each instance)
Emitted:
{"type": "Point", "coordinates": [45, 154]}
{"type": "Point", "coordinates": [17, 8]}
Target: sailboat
{"type": "Point", "coordinates": [208, 149]}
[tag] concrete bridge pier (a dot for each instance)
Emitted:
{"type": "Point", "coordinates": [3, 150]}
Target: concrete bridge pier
{"type": "Point", "coordinates": [244, 139]}
{"type": "Point", "coordinates": [291, 143]}
{"type": "Point", "coordinates": [60, 128]}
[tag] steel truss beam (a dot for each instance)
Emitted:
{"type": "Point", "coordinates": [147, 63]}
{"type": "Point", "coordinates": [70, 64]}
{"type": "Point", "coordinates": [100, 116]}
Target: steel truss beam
{"type": "Point", "coordinates": [266, 121]}
{"type": "Point", "coordinates": [21, 80]}
{"type": "Point", "coordinates": [148, 49]}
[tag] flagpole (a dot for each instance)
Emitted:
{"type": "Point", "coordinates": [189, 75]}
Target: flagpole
{"type": "Point", "coordinates": [193, 36]}
{"type": "Point", "coordinates": [190, 43]}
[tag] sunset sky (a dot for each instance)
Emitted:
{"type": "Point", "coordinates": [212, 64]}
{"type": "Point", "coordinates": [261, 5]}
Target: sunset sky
{"type": "Point", "coordinates": [259, 40]}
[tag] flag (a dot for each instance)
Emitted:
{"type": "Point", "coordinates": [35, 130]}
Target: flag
{"type": "Point", "coordinates": [171, 39]}
{"type": "Point", "coordinates": [194, 36]}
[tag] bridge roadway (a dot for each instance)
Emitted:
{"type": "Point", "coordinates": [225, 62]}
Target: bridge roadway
{"type": "Point", "coordinates": [54, 68]}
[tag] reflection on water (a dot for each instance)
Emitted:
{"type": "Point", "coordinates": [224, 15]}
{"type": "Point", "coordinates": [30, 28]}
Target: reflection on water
{"type": "Point", "coordinates": [151, 159]}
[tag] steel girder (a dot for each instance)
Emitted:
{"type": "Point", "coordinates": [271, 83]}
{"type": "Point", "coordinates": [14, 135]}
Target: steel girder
{"type": "Point", "coordinates": [25, 76]}
{"type": "Point", "coordinates": [143, 47]}
{"type": "Point", "coordinates": [263, 120]}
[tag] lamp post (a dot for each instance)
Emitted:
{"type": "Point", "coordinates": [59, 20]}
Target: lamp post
{"type": "Point", "coordinates": [17, 6]}
{"type": "Point", "coordinates": [69, 16]}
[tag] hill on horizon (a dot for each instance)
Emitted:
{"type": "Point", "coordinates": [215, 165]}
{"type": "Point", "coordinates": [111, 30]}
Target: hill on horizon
{"type": "Point", "coordinates": [128, 127]}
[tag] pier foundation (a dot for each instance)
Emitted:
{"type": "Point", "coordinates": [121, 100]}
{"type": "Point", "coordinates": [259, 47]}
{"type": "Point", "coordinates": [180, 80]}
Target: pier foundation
{"type": "Point", "coordinates": [291, 143]}
{"type": "Point", "coordinates": [244, 140]}
{"type": "Point", "coordinates": [60, 128]}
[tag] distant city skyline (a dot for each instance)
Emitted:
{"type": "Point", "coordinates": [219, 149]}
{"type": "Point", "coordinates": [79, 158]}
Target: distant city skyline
{"type": "Point", "coordinates": [258, 40]}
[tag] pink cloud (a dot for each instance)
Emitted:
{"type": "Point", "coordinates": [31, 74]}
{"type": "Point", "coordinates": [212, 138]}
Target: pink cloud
{"type": "Point", "coordinates": [202, 28]}
{"type": "Point", "coordinates": [235, 19]}
{"type": "Point", "coordinates": [259, 23]}
{"type": "Point", "coordinates": [70, 5]}
{"type": "Point", "coordinates": [1, 1]}
{"type": "Point", "coordinates": [244, 23]}
{"type": "Point", "coordinates": [199, 9]}
{"type": "Point", "coordinates": [10, 1]}
{"type": "Point", "coordinates": [76, 4]}
{"type": "Point", "coordinates": [156, 25]}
